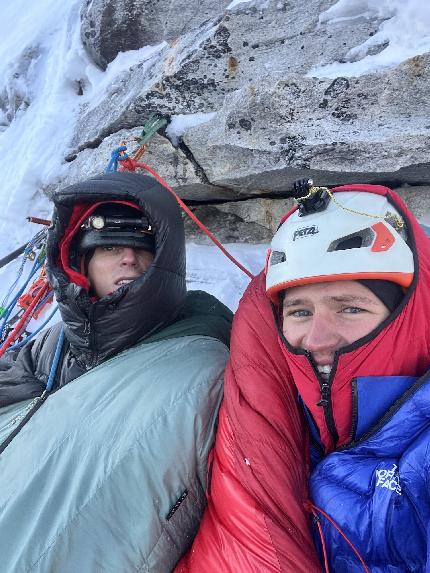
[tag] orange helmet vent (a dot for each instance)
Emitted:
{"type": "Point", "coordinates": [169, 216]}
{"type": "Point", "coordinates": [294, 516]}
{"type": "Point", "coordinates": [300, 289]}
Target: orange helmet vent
{"type": "Point", "coordinates": [384, 239]}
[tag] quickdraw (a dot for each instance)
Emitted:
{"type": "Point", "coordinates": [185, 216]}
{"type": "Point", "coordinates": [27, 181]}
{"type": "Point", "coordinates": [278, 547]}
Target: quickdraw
{"type": "Point", "coordinates": [26, 304]}
{"type": "Point", "coordinates": [39, 285]}
{"type": "Point", "coordinates": [121, 161]}
{"type": "Point", "coordinates": [27, 315]}
{"type": "Point", "coordinates": [119, 155]}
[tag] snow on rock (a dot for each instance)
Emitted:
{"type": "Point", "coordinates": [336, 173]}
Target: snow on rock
{"type": "Point", "coordinates": [102, 83]}
{"type": "Point", "coordinates": [260, 4]}
{"type": "Point", "coordinates": [274, 123]}
{"type": "Point", "coordinates": [236, 2]}
{"type": "Point", "coordinates": [109, 27]}
{"type": "Point", "coordinates": [404, 32]}
{"type": "Point", "coordinates": [41, 62]}
{"type": "Point", "coordinates": [179, 124]}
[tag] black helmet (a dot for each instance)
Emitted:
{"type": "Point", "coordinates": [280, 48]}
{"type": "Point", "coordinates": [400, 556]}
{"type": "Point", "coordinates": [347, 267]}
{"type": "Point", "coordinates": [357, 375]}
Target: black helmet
{"type": "Point", "coordinates": [116, 224]}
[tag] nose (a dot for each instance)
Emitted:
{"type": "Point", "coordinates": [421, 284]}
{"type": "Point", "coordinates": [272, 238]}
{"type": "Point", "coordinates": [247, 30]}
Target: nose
{"type": "Point", "coordinates": [322, 337]}
{"type": "Point", "coordinates": [128, 257]}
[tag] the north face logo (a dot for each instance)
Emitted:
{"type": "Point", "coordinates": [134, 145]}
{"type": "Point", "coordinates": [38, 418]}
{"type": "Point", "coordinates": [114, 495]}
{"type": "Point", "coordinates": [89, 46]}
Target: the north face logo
{"type": "Point", "coordinates": [305, 232]}
{"type": "Point", "coordinates": [389, 479]}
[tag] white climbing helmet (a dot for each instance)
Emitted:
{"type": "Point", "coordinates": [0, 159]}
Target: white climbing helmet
{"type": "Point", "coordinates": [360, 235]}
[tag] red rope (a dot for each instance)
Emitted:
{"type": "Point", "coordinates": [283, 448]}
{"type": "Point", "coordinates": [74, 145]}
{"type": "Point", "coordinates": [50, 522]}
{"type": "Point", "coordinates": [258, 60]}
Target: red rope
{"type": "Point", "coordinates": [24, 319]}
{"type": "Point", "coordinates": [313, 508]}
{"type": "Point", "coordinates": [324, 548]}
{"type": "Point", "coordinates": [131, 165]}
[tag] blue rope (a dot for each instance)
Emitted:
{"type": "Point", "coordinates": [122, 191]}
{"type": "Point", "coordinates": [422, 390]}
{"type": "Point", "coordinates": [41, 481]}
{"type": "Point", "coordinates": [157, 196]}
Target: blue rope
{"type": "Point", "coordinates": [47, 296]}
{"type": "Point", "coordinates": [8, 310]}
{"type": "Point", "coordinates": [18, 276]}
{"type": "Point", "coordinates": [37, 265]}
{"type": "Point", "coordinates": [115, 157]}
{"type": "Point", "coordinates": [34, 242]}
{"type": "Point", "coordinates": [32, 334]}
{"type": "Point", "coordinates": [55, 362]}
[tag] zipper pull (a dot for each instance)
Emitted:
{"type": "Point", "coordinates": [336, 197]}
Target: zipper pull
{"type": "Point", "coordinates": [87, 327]}
{"type": "Point", "coordinates": [325, 393]}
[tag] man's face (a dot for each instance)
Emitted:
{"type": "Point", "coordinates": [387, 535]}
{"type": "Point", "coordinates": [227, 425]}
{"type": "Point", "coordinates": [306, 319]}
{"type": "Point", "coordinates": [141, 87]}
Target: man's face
{"type": "Point", "coordinates": [324, 317]}
{"type": "Point", "coordinates": [112, 267]}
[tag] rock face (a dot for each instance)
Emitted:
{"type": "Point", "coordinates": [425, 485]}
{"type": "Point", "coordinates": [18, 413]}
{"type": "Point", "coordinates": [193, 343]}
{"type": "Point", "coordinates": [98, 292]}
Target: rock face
{"type": "Point", "coordinates": [171, 163]}
{"type": "Point", "coordinates": [342, 130]}
{"type": "Point", "coordinates": [110, 27]}
{"type": "Point", "coordinates": [249, 221]}
{"type": "Point", "coordinates": [275, 120]}
{"type": "Point", "coordinates": [256, 220]}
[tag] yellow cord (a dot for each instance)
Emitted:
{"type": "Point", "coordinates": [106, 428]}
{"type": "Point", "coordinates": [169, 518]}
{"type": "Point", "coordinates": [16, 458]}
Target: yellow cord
{"type": "Point", "coordinates": [399, 223]}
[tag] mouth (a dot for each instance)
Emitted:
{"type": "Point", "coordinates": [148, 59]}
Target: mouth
{"type": "Point", "coordinates": [125, 281]}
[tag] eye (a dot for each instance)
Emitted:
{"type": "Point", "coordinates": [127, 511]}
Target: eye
{"type": "Point", "coordinates": [298, 313]}
{"type": "Point", "coordinates": [353, 310]}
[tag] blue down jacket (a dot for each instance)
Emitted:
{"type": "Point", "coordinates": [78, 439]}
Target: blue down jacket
{"type": "Point", "coordinates": [376, 490]}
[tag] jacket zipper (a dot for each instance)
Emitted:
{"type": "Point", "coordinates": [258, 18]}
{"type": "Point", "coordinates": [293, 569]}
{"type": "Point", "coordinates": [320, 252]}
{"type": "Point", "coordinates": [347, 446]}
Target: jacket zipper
{"type": "Point", "coordinates": [88, 331]}
{"type": "Point", "coordinates": [354, 421]}
{"type": "Point", "coordinates": [388, 414]}
{"type": "Point", "coordinates": [325, 401]}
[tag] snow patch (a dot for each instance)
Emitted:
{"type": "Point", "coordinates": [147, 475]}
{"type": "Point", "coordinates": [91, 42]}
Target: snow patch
{"type": "Point", "coordinates": [102, 82]}
{"type": "Point", "coordinates": [404, 32]}
{"type": "Point", "coordinates": [179, 124]}
{"type": "Point", "coordinates": [209, 269]}
{"type": "Point", "coordinates": [261, 4]}
{"type": "Point", "coordinates": [41, 62]}
{"type": "Point", "coordinates": [45, 76]}
{"type": "Point", "coordinates": [347, 10]}
{"type": "Point", "coordinates": [236, 2]}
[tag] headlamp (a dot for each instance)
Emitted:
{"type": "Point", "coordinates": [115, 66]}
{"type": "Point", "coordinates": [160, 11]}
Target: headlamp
{"type": "Point", "coordinates": [114, 224]}
{"type": "Point", "coordinates": [96, 222]}
{"type": "Point", "coordinates": [99, 222]}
